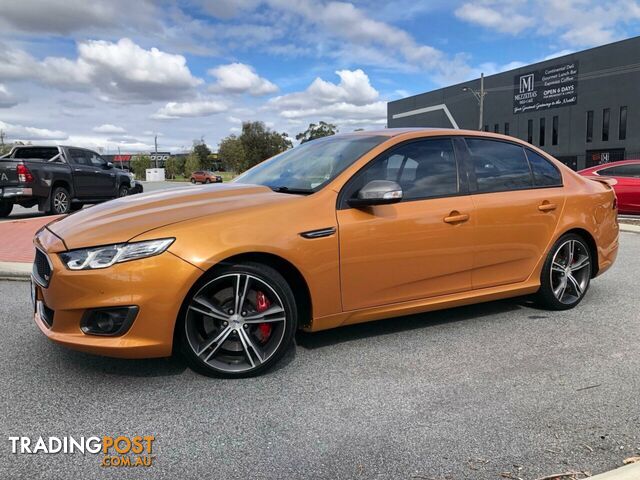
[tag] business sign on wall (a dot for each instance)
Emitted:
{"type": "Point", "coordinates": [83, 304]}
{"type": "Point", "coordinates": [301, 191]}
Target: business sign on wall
{"type": "Point", "coordinates": [551, 87]}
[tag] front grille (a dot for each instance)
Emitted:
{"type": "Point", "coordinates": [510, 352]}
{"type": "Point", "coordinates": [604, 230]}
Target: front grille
{"type": "Point", "coordinates": [41, 268]}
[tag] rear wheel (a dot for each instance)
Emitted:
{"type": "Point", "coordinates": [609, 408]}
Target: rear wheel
{"type": "Point", "coordinates": [239, 321]}
{"type": "Point", "coordinates": [193, 180]}
{"type": "Point", "coordinates": [566, 273]}
{"type": "Point", "coordinates": [5, 209]}
{"type": "Point", "coordinates": [60, 201]}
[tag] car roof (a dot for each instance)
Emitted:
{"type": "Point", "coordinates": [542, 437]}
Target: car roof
{"type": "Point", "coordinates": [428, 131]}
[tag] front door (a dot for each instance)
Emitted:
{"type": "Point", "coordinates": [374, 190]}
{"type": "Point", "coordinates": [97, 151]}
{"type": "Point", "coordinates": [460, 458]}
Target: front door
{"type": "Point", "coordinates": [518, 198]}
{"type": "Point", "coordinates": [418, 248]}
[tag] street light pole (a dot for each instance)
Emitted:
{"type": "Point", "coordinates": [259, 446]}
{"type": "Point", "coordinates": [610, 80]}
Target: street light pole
{"type": "Point", "coordinates": [480, 98]}
{"type": "Point", "coordinates": [481, 101]}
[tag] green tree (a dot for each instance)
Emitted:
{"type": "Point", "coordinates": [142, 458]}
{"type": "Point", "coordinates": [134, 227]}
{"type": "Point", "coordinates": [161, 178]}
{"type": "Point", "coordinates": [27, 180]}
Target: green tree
{"type": "Point", "coordinates": [173, 167]}
{"type": "Point", "coordinates": [260, 143]}
{"type": "Point", "coordinates": [139, 165]}
{"type": "Point", "coordinates": [192, 164]}
{"type": "Point", "coordinates": [323, 129]}
{"type": "Point", "coordinates": [201, 150]}
{"type": "Point", "coordinates": [231, 154]}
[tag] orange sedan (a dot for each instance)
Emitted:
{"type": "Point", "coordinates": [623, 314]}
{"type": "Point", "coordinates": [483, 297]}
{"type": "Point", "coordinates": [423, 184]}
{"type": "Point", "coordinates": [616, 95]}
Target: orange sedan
{"type": "Point", "coordinates": [340, 230]}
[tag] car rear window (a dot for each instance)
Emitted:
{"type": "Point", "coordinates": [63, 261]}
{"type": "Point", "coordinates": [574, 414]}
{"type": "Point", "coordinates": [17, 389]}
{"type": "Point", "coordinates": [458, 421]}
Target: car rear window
{"type": "Point", "coordinates": [44, 153]}
{"type": "Point", "coordinates": [545, 174]}
{"type": "Point", "coordinates": [499, 166]}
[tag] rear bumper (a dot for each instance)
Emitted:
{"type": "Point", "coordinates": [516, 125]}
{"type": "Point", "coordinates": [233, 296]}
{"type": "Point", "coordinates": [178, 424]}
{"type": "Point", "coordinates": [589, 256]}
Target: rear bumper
{"type": "Point", "coordinates": [15, 192]}
{"type": "Point", "coordinates": [156, 285]}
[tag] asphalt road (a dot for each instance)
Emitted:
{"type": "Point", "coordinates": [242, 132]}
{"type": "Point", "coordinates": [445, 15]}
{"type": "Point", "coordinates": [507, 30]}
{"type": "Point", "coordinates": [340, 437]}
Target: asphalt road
{"type": "Point", "coordinates": [467, 393]}
{"type": "Point", "coordinates": [19, 212]}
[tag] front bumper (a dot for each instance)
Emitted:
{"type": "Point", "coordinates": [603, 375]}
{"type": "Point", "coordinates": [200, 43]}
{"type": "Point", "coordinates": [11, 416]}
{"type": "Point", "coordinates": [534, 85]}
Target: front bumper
{"type": "Point", "coordinates": [156, 285]}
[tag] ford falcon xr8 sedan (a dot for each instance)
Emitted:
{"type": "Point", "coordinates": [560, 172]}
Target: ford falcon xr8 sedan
{"type": "Point", "coordinates": [339, 230]}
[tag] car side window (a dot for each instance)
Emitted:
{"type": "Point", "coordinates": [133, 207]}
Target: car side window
{"type": "Point", "coordinates": [499, 166]}
{"type": "Point", "coordinates": [424, 169]}
{"type": "Point", "coordinates": [545, 174]}
{"type": "Point", "coordinates": [79, 157]}
{"type": "Point", "coordinates": [622, 171]}
{"type": "Point", "coordinates": [95, 160]}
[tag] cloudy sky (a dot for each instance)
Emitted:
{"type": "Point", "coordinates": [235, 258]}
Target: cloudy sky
{"type": "Point", "coordinates": [112, 74]}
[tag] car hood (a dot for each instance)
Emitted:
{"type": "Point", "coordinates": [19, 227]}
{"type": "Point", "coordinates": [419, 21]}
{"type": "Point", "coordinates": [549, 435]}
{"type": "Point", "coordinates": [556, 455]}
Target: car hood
{"type": "Point", "coordinates": [121, 220]}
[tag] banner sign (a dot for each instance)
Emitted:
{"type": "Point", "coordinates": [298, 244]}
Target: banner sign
{"type": "Point", "coordinates": [551, 87]}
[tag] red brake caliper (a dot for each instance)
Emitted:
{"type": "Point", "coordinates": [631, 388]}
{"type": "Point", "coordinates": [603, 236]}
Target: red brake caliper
{"type": "Point", "coordinates": [262, 304]}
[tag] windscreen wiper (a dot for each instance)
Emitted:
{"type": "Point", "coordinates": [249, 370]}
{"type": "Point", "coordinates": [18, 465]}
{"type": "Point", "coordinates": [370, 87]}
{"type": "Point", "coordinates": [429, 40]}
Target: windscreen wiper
{"type": "Point", "coordinates": [297, 191]}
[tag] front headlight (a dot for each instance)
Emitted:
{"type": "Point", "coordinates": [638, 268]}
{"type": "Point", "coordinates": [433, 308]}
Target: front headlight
{"type": "Point", "coordinates": [103, 257]}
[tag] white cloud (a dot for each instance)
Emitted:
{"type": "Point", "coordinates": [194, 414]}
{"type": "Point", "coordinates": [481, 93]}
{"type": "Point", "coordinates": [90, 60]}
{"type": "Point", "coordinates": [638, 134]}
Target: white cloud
{"type": "Point", "coordinates": [351, 101]}
{"type": "Point", "coordinates": [580, 23]}
{"type": "Point", "coordinates": [7, 99]}
{"type": "Point", "coordinates": [108, 128]}
{"type": "Point", "coordinates": [240, 78]}
{"type": "Point", "coordinates": [201, 108]}
{"type": "Point", "coordinates": [20, 132]}
{"type": "Point", "coordinates": [120, 71]}
{"type": "Point", "coordinates": [67, 16]}
{"type": "Point", "coordinates": [500, 19]}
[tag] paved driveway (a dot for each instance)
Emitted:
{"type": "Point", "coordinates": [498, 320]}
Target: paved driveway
{"type": "Point", "coordinates": [467, 393]}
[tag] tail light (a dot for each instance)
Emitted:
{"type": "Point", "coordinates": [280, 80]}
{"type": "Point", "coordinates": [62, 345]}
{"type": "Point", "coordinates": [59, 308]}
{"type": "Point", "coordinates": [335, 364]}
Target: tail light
{"type": "Point", "coordinates": [24, 175]}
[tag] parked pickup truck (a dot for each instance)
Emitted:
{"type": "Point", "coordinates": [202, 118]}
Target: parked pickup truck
{"type": "Point", "coordinates": [58, 179]}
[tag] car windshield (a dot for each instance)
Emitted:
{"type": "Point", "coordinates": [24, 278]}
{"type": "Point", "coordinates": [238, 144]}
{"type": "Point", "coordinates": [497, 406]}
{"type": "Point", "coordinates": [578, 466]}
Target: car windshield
{"type": "Point", "coordinates": [311, 165]}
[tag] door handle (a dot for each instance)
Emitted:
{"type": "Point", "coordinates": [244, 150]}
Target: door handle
{"type": "Point", "coordinates": [547, 207]}
{"type": "Point", "coordinates": [456, 217]}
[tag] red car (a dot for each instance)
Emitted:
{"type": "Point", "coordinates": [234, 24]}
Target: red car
{"type": "Point", "coordinates": [627, 174]}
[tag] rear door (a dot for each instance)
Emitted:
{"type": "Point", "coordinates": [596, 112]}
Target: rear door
{"type": "Point", "coordinates": [518, 198]}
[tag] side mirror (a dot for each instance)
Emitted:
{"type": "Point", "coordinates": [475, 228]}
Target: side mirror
{"type": "Point", "coordinates": [108, 165]}
{"type": "Point", "coordinates": [377, 192]}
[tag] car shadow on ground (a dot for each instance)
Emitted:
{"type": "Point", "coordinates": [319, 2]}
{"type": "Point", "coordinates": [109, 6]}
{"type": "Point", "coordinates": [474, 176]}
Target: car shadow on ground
{"type": "Point", "coordinates": [175, 365]}
{"type": "Point", "coordinates": [152, 367]}
{"type": "Point", "coordinates": [410, 322]}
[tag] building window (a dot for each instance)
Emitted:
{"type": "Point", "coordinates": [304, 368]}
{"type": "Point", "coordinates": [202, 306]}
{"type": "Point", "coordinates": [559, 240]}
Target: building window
{"type": "Point", "coordinates": [486, 128]}
{"type": "Point", "coordinates": [622, 127]}
{"type": "Point", "coordinates": [605, 124]}
{"type": "Point", "coordinates": [530, 131]}
{"type": "Point", "coordinates": [554, 131]}
{"type": "Point", "coordinates": [496, 128]}
{"type": "Point", "coordinates": [542, 132]}
{"type": "Point", "coordinates": [590, 126]}
{"type": "Point", "coordinates": [506, 127]}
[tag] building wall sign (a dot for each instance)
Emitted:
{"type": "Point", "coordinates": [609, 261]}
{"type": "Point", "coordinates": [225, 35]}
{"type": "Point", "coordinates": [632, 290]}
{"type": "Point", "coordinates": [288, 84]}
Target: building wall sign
{"type": "Point", "coordinates": [551, 87]}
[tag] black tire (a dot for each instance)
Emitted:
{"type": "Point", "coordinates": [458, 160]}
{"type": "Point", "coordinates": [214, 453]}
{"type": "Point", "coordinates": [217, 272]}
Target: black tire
{"type": "Point", "coordinates": [60, 201]}
{"type": "Point", "coordinates": [5, 209]}
{"type": "Point", "coordinates": [229, 362]}
{"type": "Point", "coordinates": [123, 191]}
{"type": "Point", "coordinates": [193, 180]}
{"type": "Point", "coordinates": [576, 282]}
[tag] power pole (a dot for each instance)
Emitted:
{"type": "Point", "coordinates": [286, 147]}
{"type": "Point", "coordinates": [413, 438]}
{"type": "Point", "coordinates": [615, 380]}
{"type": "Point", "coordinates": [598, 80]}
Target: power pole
{"type": "Point", "coordinates": [2, 139]}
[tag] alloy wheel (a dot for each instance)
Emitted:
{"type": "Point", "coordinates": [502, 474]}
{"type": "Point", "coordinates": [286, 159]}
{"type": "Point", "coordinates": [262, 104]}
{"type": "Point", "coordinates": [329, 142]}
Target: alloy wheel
{"type": "Point", "coordinates": [60, 202]}
{"type": "Point", "coordinates": [570, 271]}
{"type": "Point", "coordinates": [235, 322]}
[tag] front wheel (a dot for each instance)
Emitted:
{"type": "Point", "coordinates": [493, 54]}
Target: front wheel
{"type": "Point", "coordinates": [60, 201]}
{"type": "Point", "coordinates": [123, 191]}
{"type": "Point", "coordinates": [193, 181]}
{"type": "Point", "coordinates": [5, 209]}
{"type": "Point", "coordinates": [566, 273]}
{"type": "Point", "coordinates": [238, 322]}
